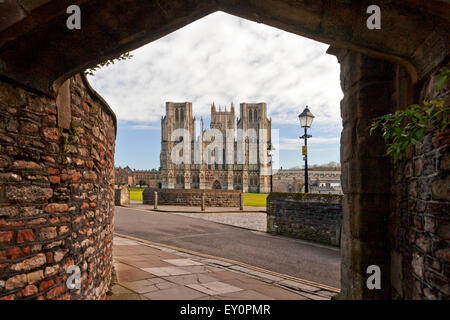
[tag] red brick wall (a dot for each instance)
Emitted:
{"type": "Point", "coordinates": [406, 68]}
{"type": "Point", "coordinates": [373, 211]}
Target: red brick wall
{"type": "Point", "coordinates": [56, 198]}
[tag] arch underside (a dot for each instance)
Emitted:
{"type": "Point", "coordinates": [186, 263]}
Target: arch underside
{"type": "Point", "coordinates": [409, 35]}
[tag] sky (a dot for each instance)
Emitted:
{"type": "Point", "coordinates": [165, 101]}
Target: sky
{"type": "Point", "coordinates": [223, 59]}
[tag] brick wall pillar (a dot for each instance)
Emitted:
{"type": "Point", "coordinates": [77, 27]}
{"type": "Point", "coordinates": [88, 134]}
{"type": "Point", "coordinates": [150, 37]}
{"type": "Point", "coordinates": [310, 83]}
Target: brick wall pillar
{"type": "Point", "coordinates": [368, 86]}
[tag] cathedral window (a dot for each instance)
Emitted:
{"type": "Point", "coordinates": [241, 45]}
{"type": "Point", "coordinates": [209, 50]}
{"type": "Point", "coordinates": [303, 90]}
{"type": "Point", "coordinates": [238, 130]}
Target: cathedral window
{"type": "Point", "coordinates": [256, 115]}
{"type": "Point", "coordinates": [182, 114]}
{"type": "Point", "coordinates": [250, 115]}
{"type": "Point", "coordinates": [176, 114]}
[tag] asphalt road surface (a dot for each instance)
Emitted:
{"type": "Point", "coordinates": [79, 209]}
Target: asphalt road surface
{"type": "Point", "coordinates": [289, 256]}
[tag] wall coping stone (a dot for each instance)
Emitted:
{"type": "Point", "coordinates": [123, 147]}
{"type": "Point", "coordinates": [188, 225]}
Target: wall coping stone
{"type": "Point", "coordinates": [307, 197]}
{"type": "Point", "coordinates": [98, 98]}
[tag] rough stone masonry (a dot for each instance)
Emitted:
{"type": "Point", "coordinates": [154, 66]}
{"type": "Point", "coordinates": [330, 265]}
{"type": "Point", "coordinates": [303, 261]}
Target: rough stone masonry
{"type": "Point", "coordinates": [314, 217]}
{"type": "Point", "coordinates": [56, 193]}
{"type": "Point", "coordinates": [193, 197]}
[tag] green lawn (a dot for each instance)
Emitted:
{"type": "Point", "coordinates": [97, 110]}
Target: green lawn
{"type": "Point", "coordinates": [250, 199]}
{"type": "Point", "coordinates": [255, 199]}
{"type": "Point", "coordinates": [136, 194]}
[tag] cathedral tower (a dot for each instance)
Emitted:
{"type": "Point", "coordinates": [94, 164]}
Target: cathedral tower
{"type": "Point", "coordinates": [222, 169]}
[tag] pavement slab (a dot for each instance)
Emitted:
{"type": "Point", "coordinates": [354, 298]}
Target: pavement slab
{"type": "Point", "coordinates": [175, 293]}
{"type": "Point", "coordinates": [147, 272]}
{"type": "Point", "coordinates": [183, 262]}
{"type": "Point", "coordinates": [257, 273]}
{"type": "Point", "coordinates": [166, 271]}
{"type": "Point", "coordinates": [220, 263]}
{"type": "Point", "coordinates": [191, 279]}
{"type": "Point", "coordinates": [214, 288]}
{"type": "Point", "coordinates": [244, 295]}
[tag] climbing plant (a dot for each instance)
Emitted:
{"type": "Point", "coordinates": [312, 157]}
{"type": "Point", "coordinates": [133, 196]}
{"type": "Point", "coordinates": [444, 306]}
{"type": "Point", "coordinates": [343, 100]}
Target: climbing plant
{"type": "Point", "coordinates": [409, 126]}
{"type": "Point", "coordinates": [125, 56]}
{"type": "Point", "coordinates": [70, 138]}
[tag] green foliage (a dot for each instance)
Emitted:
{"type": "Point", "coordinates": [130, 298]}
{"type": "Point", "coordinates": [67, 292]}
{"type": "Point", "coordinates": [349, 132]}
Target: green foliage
{"type": "Point", "coordinates": [73, 132]}
{"type": "Point", "coordinates": [65, 143]}
{"type": "Point", "coordinates": [409, 126]}
{"type": "Point", "coordinates": [125, 56]}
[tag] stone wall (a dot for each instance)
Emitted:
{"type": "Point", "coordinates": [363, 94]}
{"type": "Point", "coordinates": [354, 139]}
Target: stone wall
{"type": "Point", "coordinates": [121, 196]}
{"type": "Point", "coordinates": [193, 197]}
{"type": "Point", "coordinates": [420, 220]}
{"type": "Point", "coordinates": [314, 217]}
{"type": "Point", "coordinates": [395, 216]}
{"type": "Point", "coordinates": [56, 193]}
{"type": "Point", "coordinates": [368, 85]}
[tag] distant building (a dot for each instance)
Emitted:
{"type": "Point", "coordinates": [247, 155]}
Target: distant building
{"type": "Point", "coordinates": [123, 176]}
{"type": "Point", "coordinates": [126, 176]}
{"type": "Point", "coordinates": [151, 178]}
{"type": "Point", "coordinates": [220, 170]}
{"type": "Point", "coordinates": [293, 180]}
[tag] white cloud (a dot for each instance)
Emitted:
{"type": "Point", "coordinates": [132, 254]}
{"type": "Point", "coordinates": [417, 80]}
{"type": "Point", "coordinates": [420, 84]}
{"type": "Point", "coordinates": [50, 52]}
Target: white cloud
{"type": "Point", "coordinates": [296, 143]}
{"type": "Point", "coordinates": [223, 58]}
{"type": "Point", "coordinates": [144, 127]}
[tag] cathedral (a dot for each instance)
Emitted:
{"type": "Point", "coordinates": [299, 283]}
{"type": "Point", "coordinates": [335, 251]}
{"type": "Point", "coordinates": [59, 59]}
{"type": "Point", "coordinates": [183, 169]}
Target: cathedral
{"type": "Point", "coordinates": [230, 155]}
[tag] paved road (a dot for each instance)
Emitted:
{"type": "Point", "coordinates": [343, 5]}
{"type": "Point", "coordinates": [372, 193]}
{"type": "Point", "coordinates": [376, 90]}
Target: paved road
{"type": "Point", "coordinates": [296, 258]}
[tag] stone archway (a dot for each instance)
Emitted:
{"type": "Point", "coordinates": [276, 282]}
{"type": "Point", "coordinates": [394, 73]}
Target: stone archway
{"type": "Point", "coordinates": [140, 23]}
{"type": "Point", "coordinates": [381, 70]}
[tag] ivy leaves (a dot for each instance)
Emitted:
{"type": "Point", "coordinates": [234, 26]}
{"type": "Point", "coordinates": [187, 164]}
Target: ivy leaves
{"type": "Point", "coordinates": [409, 126]}
{"type": "Point", "coordinates": [124, 56]}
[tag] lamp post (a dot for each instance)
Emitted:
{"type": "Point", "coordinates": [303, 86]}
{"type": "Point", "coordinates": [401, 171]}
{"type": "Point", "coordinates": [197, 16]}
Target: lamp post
{"type": "Point", "coordinates": [269, 152]}
{"type": "Point", "coordinates": [306, 118]}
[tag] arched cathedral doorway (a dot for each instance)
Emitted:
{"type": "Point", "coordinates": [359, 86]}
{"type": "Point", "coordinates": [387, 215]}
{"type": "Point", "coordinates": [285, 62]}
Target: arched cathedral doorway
{"type": "Point", "coordinates": [216, 185]}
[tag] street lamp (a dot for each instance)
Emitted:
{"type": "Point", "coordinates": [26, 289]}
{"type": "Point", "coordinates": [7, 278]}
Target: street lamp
{"type": "Point", "coordinates": [270, 149]}
{"type": "Point", "coordinates": [306, 118]}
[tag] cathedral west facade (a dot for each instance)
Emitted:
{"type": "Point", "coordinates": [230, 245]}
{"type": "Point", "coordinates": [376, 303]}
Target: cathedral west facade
{"type": "Point", "coordinates": [230, 155]}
